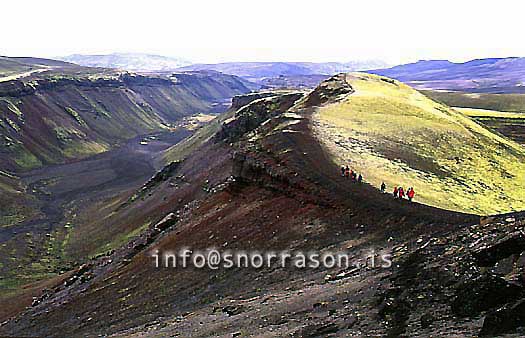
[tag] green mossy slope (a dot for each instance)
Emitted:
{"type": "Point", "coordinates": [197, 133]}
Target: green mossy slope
{"type": "Point", "coordinates": [392, 133]}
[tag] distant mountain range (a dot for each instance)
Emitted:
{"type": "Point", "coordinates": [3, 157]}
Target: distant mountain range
{"type": "Point", "coordinates": [254, 70]}
{"type": "Point", "coordinates": [495, 75]}
{"type": "Point", "coordinates": [257, 71]}
{"type": "Point", "coordinates": [128, 61]}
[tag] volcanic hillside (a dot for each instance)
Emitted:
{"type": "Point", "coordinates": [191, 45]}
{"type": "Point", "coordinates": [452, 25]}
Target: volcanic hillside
{"type": "Point", "coordinates": [259, 179]}
{"type": "Point", "coordinates": [395, 134]}
{"type": "Point", "coordinates": [51, 119]}
{"type": "Point", "coordinates": [69, 112]}
{"type": "Point", "coordinates": [72, 137]}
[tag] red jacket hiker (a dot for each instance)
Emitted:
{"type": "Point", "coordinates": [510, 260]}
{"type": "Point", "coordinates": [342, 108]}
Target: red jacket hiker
{"type": "Point", "coordinates": [411, 194]}
{"type": "Point", "coordinates": [401, 193]}
{"type": "Point", "coordinates": [395, 191]}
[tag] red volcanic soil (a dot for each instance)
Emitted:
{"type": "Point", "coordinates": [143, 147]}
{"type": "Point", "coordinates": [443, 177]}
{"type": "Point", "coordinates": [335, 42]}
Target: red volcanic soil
{"type": "Point", "coordinates": [271, 190]}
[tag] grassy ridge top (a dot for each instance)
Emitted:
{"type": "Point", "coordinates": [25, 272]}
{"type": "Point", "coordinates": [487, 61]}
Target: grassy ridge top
{"type": "Point", "coordinates": [392, 133]}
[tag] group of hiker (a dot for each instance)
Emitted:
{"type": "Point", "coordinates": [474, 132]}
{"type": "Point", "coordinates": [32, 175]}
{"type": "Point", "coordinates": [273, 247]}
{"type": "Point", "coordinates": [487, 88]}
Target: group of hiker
{"type": "Point", "coordinates": [351, 174]}
{"type": "Point", "coordinates": [399, 192]}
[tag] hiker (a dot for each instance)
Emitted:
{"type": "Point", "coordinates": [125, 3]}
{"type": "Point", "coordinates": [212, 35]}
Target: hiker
{"type": "Point", "coordinates": [410, 194]}
{"type": "Point", "coordinates": [343, 170]}
{"type": "Point", "coordinates": [401, 193]}
{"type": "Point", "coordinates": [354, 176]}
{"type": "Point", "coordinates": [396, 191]}
{"type": "Point", "coordinates": [347, 172]}
{"type": "Point", "coordinates": [360, 178]}
{"type": "Point", "coordinates": [383, 187]}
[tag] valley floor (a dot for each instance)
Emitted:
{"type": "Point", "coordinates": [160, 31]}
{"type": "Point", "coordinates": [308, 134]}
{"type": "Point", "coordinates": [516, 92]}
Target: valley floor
{"type": "Point", "coordinates": [64, 193]}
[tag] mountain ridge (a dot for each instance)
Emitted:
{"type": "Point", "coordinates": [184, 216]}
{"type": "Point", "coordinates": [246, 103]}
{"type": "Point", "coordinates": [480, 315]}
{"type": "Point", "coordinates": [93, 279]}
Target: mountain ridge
{"type": "Point", "coordinates": [259, 70]}
{"type": "Point", "coordinates": [490, 75]}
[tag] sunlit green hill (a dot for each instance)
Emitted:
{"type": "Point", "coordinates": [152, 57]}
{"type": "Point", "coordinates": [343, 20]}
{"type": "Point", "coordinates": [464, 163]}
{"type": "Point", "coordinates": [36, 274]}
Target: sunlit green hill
{"type": "Point", "coordinates": [392, 133]}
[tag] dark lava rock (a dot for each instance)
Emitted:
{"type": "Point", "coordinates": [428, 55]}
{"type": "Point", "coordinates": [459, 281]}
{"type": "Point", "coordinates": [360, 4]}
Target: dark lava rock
{"type": "Point", "coordinates": [514, 244]}
{"type": "Point", "coordinates": [161, 176]}
{"type": "Point", "coordinates": [166, 222]}
{"type": "Point", "coordinates": [504, 320]}
{"type": "Point", "coordinates": [251, 116]}
{"type": "Point", "coordinates": [505, 266]}
{"type": "Point", "coordinates": [318, 330]}
{"type": "Point", "coordinates": [395, 311]}
{"type": "Point", "coordinates": [239, 101]}
{"type": "Point", "coordinates": [230, 310]}
{"type": "Point", "coordinates": [328, 90]}
{"type": "Point", "coordinates": [426, 320]}
{"type": "Point", "coordinates": [483, 293]}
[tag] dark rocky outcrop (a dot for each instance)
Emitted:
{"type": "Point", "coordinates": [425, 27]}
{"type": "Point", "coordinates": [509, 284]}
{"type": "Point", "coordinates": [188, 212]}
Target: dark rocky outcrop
{"type": "Point", "coordinates": [240, 101]}
{"type": "Point", "coordinates": [504, 320]}
{"type": "Point", "coordinates": [329, 90]}
{"type": "Point", "coordinates": [249, 170]}
{"type": "Point", "coordinates": [253, 115]}
{"type": "Point", "coordinates": [510, 245]}
{"type": "Point", "coordinates": [483, 293]}
{"type": "Point", "coordinates": [20, 88]}
{"type": "Point", "coordinates": [230, 310]}
{"type": "Point", "coordinates": [163, 175]}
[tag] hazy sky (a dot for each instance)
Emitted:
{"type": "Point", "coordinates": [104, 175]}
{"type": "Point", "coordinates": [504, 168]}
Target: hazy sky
{"type": "Point", "coordinates": [244, 30]}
